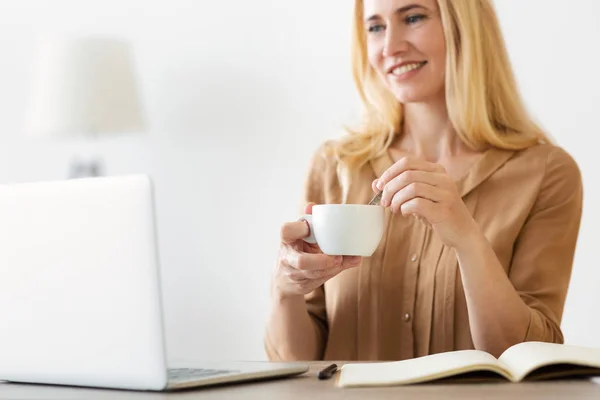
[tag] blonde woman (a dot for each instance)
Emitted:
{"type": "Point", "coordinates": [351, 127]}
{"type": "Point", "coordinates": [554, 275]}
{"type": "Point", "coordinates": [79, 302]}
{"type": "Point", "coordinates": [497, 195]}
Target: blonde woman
{"type": "Point", "coordinates": [486, 263]}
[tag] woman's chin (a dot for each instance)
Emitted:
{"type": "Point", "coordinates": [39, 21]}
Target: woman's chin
{"type": "Point", "coordinates": [413, 96]}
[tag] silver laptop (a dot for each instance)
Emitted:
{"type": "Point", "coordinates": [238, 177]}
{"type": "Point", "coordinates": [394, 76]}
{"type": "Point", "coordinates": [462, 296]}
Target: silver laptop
{"type": "Point", "coordinates": [80, 299]}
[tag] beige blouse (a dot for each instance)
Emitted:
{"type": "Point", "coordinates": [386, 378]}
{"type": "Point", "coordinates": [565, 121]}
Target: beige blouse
{"type": "Point", "coordinates": [407, 300]}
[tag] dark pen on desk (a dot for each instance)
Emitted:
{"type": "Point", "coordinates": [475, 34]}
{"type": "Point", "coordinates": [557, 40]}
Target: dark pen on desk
{"type": "Point", "coordinates": [328, 372]}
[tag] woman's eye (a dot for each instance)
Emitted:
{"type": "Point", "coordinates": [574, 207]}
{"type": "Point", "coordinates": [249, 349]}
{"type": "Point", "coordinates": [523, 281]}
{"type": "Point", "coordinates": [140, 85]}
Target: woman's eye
{"type": "Point", "coordinates": [376, 28]}
{"type": "Point", "coordinates": [413, 19]}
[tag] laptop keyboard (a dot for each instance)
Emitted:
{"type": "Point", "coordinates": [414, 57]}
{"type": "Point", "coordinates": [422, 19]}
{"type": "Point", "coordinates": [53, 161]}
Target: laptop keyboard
{"type": "Point", "coordinates": [196, 373]}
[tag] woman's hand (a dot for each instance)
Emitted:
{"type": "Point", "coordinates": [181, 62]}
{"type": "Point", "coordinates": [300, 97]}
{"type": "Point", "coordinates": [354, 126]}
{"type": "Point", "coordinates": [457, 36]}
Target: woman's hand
{"type": "Point", "coordinates": [302, 267]}
{"type": "Point", "coordinates": [424, 189]}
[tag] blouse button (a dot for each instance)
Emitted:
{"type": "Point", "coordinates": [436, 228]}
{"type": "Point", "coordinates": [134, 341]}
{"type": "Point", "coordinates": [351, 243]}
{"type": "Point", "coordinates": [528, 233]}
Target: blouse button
{"type": "Point", "coordinates": [406, 317]}
{"type": "Point", "coordinates": [414, 257]}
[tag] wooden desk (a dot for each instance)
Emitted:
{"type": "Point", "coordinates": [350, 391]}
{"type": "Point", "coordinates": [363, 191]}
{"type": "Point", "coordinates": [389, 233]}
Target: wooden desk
{"type": "Point", "coordinates": [307, 386]}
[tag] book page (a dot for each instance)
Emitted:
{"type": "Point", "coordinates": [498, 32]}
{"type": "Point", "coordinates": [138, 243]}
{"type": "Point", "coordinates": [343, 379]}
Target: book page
{"type": "Point", "coordinates": [420, 369]}
{"type": "Point", "coordinates": [523, 358]}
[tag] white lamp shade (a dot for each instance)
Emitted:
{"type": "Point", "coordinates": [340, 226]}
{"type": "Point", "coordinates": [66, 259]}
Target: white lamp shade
{"type": "Point", "coordinates": [83, 86]}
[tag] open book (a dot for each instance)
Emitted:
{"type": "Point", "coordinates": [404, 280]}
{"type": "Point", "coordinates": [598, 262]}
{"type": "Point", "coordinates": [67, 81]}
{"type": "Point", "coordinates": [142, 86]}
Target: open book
{"type": "Point", "coordinates": [523, 361]}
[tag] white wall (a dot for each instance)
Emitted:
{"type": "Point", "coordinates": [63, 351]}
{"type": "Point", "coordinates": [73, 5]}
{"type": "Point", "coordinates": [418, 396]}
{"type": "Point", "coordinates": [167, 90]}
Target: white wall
{"type": "Point", "coordinates": [238, 94]}
{"type": "Point", "coordinates": [556, 56]}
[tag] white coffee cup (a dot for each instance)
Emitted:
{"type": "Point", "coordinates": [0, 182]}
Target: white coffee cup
{"type": "Point", "coordinates": [346, 229]}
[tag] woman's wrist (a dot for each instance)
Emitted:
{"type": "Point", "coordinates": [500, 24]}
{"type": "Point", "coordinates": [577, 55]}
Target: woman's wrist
{"type": "Point", "coordinates": [472, 244]}
{"type": "Point", "coordinates": [280, 296]}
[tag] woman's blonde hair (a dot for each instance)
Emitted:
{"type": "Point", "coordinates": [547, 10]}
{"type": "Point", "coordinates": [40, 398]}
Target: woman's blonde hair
{"type": "Point", "coordinates": [483, 101]}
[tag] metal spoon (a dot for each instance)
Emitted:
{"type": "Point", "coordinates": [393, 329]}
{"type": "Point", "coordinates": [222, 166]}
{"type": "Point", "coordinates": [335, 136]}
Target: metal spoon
{"type": "Point", "coordinates": [376, 199]}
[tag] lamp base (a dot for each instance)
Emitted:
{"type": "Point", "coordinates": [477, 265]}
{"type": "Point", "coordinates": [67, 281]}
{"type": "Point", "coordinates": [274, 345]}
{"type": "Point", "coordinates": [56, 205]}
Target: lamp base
{"type": "Point", "coordinates": [85, 169]}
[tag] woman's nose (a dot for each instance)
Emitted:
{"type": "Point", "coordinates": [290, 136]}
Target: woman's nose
{"type": "Point", "coordinates": [394, 43]}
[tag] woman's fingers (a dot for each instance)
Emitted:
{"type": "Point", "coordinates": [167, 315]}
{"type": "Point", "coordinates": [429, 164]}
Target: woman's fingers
{"type": "Point", "coordinates": [374, 185]}
{"type": "Point", "coordinates": [351, 261]}
{"type": "Point", "coordinates": [314, 266]}
{"type": "Point", "coordinates": [299, 269]}
{"type": "Point", "coordinates": [414, 191]}
{"type": "Point", "coordinates": [310, 261]}
{"type": "Point", "coordinates": [308, 207]}
{"type": "Point", "coordinates": [407, 181]}
{"type": "Point", "coordinates": [295, 275]}
{"type": "Point", "coordinates": [293, 231]}
{"type": "Point", "coordinates": [407, 164]}
{"type": "Point", "coordinates": [423, 208]}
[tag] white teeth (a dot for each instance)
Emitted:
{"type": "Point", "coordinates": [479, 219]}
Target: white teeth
{"type": "Point", "coordinates": [406, 68]}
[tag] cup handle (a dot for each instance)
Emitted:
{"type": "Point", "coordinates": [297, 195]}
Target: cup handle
{"type": "Point", "coordinates": [311, 237]}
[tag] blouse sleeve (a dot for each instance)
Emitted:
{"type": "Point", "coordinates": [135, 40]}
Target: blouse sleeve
{"type": "Point", "coordinates": [544, 251]}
